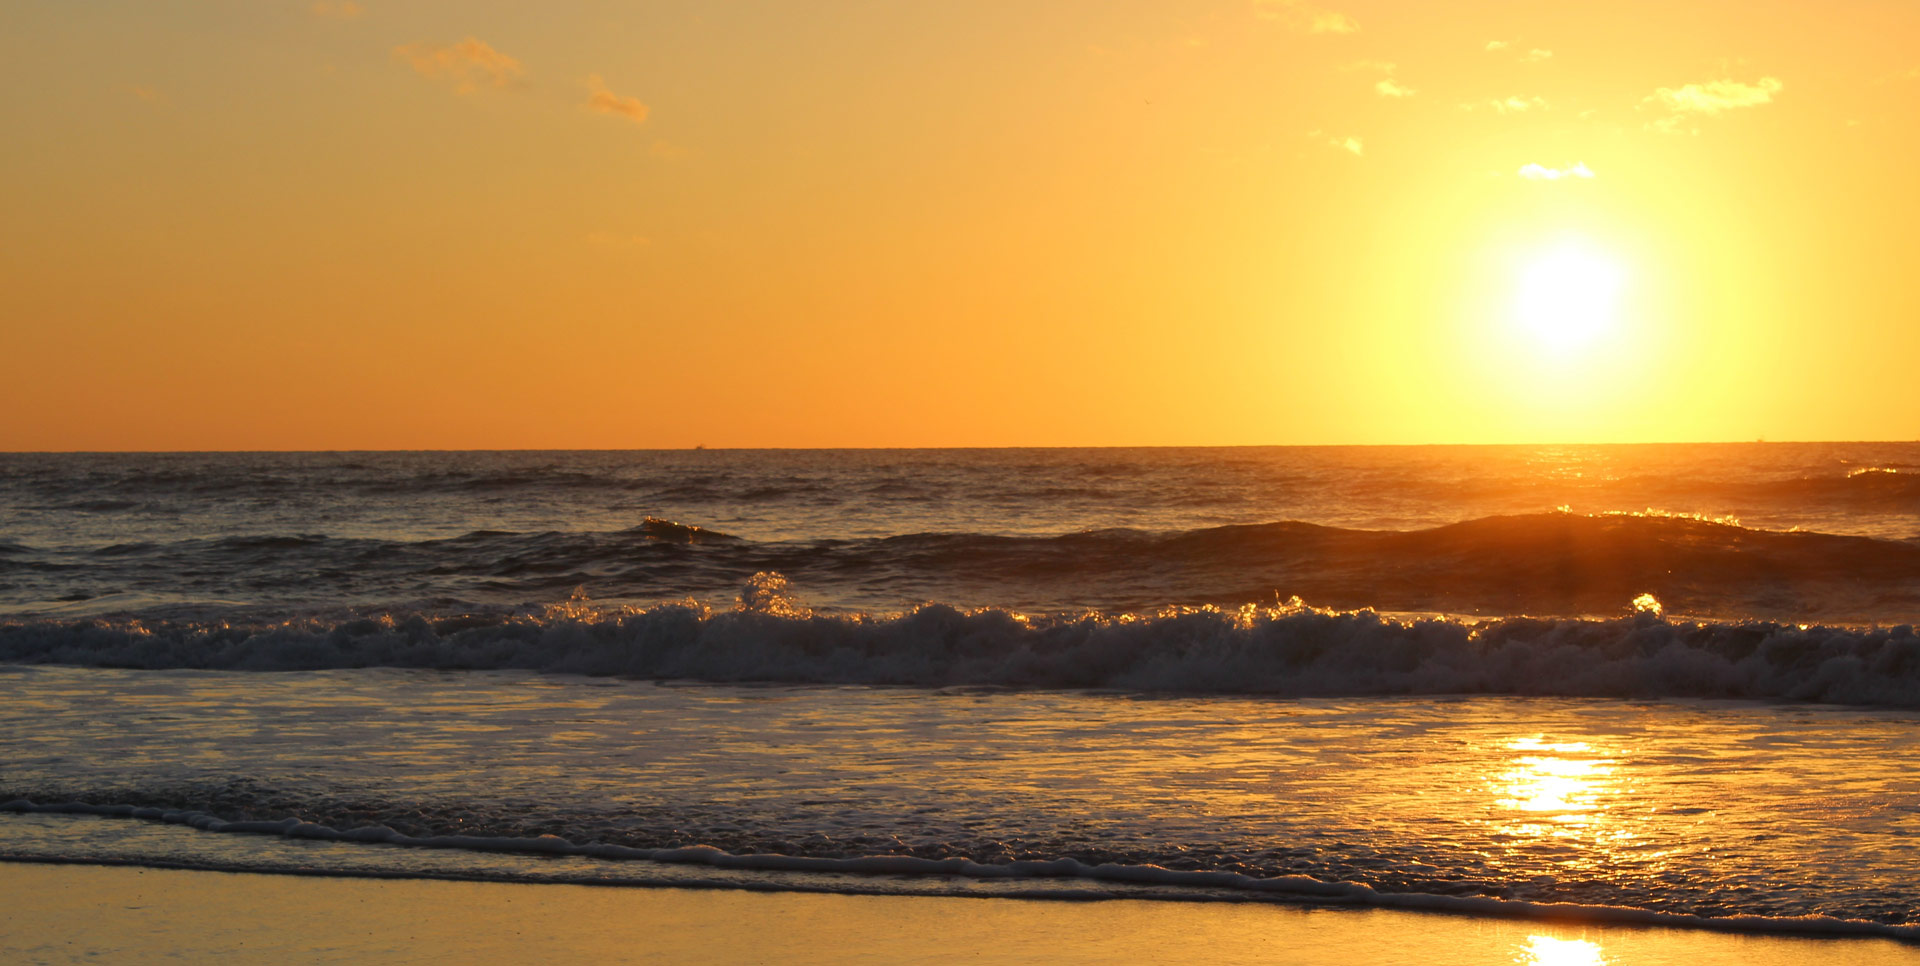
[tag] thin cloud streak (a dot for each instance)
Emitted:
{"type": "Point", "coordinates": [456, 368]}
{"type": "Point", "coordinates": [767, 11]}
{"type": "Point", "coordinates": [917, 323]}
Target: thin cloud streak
{"type": "Point", "coordinates": [1386, 86]}
{"type": "Point", "coordinates": [1540, 172]}
{"type": "Point", "coordinates": [1714, 97]}
{"type": "Point", "coordinates": [1305, 17]}
{"type": "Point", "coordinates": [1533, 55]}
{"type": "Point", "coordinates": [469, 65]}
{"type": "Point", "coordinates": [1508, 105]}
{"type": "Point", "coordinates": [1351, 145]}
{"type": "Point", "coordinates": [1710, 99]}
{"type": "Point", "coordinates": [607, 102]}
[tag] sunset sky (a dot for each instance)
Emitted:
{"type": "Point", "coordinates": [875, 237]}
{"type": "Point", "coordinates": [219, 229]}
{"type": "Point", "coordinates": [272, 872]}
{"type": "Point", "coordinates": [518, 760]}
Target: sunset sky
{"type": "Point", "coordinates": [340, 225]}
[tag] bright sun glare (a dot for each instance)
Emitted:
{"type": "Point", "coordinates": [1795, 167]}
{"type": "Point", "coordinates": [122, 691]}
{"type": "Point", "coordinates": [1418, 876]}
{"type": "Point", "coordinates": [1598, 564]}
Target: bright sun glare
{"type": "Point", "coordinates": [1567, 297]}
{"type": "Point", "coordinates": [1548, 951]}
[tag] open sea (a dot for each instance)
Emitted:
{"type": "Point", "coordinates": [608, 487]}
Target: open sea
{"type": "Point", "coordinates": [1675, 684]}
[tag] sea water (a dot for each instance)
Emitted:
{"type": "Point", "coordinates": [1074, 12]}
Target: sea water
{"type": "Point", "coordinates": [1673, 683]}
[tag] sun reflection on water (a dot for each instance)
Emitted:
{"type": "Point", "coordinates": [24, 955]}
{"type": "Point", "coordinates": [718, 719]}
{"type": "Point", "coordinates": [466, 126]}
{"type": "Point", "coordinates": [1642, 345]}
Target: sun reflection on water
{"type": "Point", "coordinates": [1548, 951]}
{"type": "Point", "coordinates": [1560, 779]}
{"type": "Point", "coordinates": [1562, 795]}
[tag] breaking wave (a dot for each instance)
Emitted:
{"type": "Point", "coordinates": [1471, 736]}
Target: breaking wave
{"type": "Point", "coordinates": [1563, 564]}
{"type": "Point", "coordinates": [1288, 650]}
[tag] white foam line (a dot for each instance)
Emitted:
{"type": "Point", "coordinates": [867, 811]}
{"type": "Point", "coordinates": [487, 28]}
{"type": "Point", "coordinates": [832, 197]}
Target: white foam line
{"type": "Point", "coordinates": [1284, 888]}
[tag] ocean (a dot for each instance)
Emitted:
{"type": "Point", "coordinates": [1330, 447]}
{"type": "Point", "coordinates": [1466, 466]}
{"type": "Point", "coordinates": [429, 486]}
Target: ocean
{"type": "Point", "coordinates": [1673, 683]}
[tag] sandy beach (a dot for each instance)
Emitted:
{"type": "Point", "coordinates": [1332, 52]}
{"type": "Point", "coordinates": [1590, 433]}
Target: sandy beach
{"type": "Point", "coordinates": [79, 913]}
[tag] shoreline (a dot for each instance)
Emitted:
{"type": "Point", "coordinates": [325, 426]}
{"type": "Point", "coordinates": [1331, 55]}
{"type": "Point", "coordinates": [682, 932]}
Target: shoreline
{"type": "Point", "coordinates": [1543, 915]}
{"type": "Point", "coordinates": [69, 912]}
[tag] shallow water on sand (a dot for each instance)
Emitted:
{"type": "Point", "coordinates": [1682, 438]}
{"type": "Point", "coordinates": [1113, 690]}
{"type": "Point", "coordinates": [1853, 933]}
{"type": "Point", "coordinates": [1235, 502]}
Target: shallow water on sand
{"type": "Point", "coordinates": [277, 919]}
{"type": "Point", "coordinates": [1699, 808]}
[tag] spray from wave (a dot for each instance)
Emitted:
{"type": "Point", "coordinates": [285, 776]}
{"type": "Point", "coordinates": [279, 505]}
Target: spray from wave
{"type": "Point", "coordinates": [1560, 563]}
{"type": "Point", "coordinates": [1290, 649]}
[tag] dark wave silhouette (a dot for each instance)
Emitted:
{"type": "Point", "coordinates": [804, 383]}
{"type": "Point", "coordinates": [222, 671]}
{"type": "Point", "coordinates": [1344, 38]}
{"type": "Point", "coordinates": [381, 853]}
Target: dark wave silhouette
{"type": "Point", "coordinates": [1289, 650]}
{"type": "Point", "coordinates": [1555, 564]}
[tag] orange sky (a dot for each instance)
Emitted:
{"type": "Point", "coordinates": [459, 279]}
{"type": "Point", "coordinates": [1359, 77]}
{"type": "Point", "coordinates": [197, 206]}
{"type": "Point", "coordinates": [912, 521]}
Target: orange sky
{"type": "Point", "coordinates": [299, 225]}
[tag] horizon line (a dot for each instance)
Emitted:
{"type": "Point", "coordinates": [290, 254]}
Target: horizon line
{"type": "Point", "coordinates": [824, 449]}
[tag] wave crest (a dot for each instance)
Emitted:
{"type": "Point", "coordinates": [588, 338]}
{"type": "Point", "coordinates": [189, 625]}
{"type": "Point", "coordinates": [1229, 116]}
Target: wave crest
{"type": "Point", "coordinates": [1288, 650]}
{"type": "Point", "coordinates": [1547, 563]}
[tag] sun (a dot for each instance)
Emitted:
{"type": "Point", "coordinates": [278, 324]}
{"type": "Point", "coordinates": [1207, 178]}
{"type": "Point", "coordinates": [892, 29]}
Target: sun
{"type": "Point", "coordinates": [1567, 297]}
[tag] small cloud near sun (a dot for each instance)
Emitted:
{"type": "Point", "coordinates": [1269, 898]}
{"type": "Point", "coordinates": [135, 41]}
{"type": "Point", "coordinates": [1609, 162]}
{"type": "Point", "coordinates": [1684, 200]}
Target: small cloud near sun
{"type": "Point", "coordinates": [1349, 144]}
{"type": "Point", "coordinates": [607, 102]}
{"type": "Point", "coordinates": [1305, 17]}
{"type": "Point", "coordinates": [1386, 86]}
{"type": "Point", "coordinates": [469, 65]}
{"type": "Point", "coordinates": [1509, 105]}
{"type": "Point", "coordinates": [337, 9]}
{"type": "Point", "coordinates": [1540, 172]}
{"type": "Point", "coordinates": [1533, 55]}
{"type": "Point", "coordinates": [1710, 99]}
{"type": "Point", "coordinates": [1716, 96]}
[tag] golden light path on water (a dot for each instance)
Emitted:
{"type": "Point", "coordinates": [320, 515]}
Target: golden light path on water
{"type": "Point", "coordinates": [1548, 951]}
{"type": "Point", "coordinates": [1697, 808]}
{"type": "Point", "coordinates": [1558, 790]}
{"type": "Point", "coordinates": [1561, 791]}
{"type": "Point", "coordinates": [1565, 797]}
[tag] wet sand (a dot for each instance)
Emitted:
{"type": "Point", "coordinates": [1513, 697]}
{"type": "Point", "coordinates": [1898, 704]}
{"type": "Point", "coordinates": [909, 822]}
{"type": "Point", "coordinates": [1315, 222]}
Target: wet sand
{"type": "Point", "coordinates": [76, 913]}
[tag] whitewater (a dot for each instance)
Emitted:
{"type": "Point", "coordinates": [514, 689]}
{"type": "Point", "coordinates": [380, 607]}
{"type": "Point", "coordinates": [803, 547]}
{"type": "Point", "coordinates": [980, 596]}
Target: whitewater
{"type": "Point", "coordinates": [1660, 683]}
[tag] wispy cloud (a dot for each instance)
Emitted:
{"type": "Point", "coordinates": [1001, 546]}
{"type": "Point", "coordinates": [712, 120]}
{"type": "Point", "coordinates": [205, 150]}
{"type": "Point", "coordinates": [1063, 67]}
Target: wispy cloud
{"type": "Point", "coordinates": [1540, 172]}
{"type": "Point", "coordinates": [1710, 99]}
{"type": "Point", "coordinates": [1386, 86]}
{"type": "Point", "coordinates": [337, 9]}
{"type": "Point", "coordinates": [145, 94]}
{"type": "Point", "coordinates": [607, 102]}
{"type": "Point", "coordinates": [1305, 17]}
{"type": "Point", "coordinates": [1349, 144]}
{"type": "Point", "coordinates": [1716, 96]}
{"type": "Point", "coordinates": [1533, 55]}
{"type": "Point", "coordinates": [469, 65]}
{"type": "Point", "coordinates": [1507, 105]}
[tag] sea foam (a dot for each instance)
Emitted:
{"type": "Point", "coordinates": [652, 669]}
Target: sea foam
{"type": "Point", "coordinates": [1290, 650]}
{"type": "Point", "coordinates": [1159, 882]}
